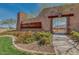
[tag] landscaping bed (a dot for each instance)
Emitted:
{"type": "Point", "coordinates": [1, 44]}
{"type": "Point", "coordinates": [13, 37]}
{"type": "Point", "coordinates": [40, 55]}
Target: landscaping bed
{"type": "Point", "coordinates": [35, 48]}
{"type": "Point", "coordinates": [40, 42]}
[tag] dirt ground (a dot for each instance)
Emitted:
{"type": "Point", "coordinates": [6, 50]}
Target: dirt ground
{"type": "Point", "coordinates": [35, 47]}
{"type": "Point", "coordinates": [3, 30]}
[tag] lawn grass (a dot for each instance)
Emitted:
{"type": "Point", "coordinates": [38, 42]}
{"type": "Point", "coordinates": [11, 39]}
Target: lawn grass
{"type": "Point", "coordinates": [7, 48]}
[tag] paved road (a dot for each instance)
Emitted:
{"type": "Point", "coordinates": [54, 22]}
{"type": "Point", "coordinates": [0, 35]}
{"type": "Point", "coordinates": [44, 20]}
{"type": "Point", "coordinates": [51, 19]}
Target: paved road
{"type": "Point", "coordinates": [64, 45]}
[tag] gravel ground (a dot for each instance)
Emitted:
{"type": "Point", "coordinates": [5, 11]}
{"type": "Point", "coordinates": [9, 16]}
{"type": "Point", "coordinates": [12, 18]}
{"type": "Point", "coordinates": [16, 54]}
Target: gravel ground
{"type": "Point", "coordinates": [35, 47]}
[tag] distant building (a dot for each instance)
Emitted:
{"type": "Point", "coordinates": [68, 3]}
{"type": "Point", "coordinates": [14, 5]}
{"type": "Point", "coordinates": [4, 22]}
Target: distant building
{"type": "Point", "coordinates": [44, 21]}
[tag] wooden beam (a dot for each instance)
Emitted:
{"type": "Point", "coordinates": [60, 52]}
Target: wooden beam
{"type": "Point", "coordinates": [63, 15]}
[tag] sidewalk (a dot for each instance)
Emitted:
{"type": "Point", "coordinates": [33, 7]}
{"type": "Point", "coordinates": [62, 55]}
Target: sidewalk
{"type": "Point", "coordinates": [63, 45]}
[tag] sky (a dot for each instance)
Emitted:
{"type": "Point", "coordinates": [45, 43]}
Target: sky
{"type": "Point", "coordinates": [60, 22]}
{"type": "Point", "coordinates": [10, 10]}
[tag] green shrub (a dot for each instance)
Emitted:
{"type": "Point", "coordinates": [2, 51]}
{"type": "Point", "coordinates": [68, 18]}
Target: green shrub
{"type": "Point", "coordinates": [25, 37]}
{"type": "Point", "coordinates": [43, 38]}
{"type": "Point", "coordinates": [75, 35]}
{"type": "Point", "coordinates": [44, 41]}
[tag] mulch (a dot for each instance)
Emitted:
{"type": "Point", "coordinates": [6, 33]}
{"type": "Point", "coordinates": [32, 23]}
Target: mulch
{"type": "Point", "coordinates": [35, 47]}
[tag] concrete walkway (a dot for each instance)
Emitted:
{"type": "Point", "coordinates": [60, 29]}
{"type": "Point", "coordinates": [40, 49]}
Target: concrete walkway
{"type": "Point", "coordinates": [64, 45]}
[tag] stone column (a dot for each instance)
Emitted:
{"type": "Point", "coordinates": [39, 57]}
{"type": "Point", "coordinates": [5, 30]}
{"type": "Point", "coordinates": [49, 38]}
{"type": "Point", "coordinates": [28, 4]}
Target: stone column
{"type": "Point", "coordinates": [20, 18]}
